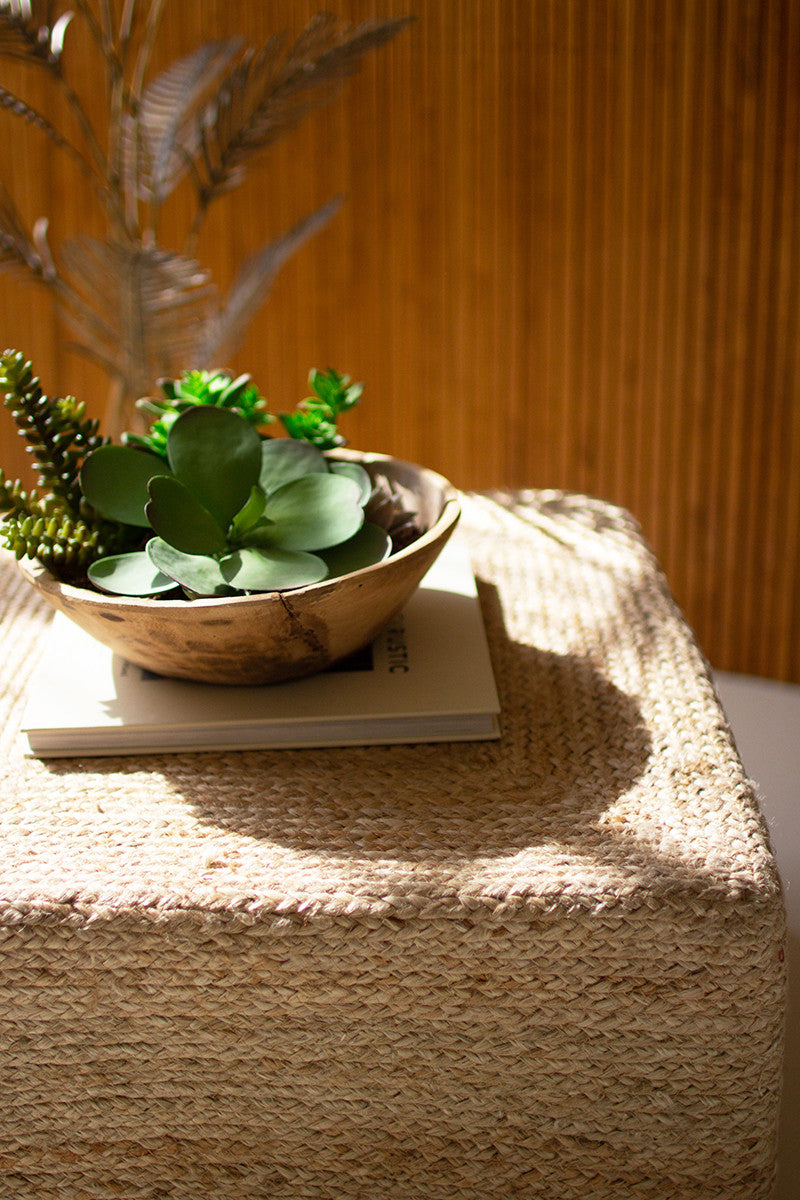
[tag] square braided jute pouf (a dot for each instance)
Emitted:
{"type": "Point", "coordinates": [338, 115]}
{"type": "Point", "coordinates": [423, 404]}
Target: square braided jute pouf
{"type": "Point", "coordinates": [549, 966]}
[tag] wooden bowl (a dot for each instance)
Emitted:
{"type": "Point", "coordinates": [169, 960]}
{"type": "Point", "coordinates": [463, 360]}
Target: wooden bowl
{"type": "Point", "coordinates": [268, 636]}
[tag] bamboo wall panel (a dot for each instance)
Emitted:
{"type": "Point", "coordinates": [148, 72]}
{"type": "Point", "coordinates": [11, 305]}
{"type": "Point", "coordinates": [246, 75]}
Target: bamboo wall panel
{"type": "Point", "coordinates": [569, 257]}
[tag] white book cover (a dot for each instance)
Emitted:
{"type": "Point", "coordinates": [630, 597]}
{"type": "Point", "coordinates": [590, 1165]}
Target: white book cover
{"type": "Point", "coordinates": [428, 677]}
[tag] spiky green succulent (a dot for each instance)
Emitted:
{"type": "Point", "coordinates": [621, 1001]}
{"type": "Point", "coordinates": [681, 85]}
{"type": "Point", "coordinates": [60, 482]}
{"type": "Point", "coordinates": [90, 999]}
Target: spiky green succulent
{"type": "Point", "coordinates": [216, 389]}
{"type": "Point", "coordinates": [315, 419]}
{"type": "Point", "coordinates": [59, 528]}
{"type": "Point", "coordinates": [228, 511]}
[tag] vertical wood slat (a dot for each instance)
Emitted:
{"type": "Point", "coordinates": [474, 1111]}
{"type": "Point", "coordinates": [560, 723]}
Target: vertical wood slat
{"type": "Point", "coordinates": [569, 257]}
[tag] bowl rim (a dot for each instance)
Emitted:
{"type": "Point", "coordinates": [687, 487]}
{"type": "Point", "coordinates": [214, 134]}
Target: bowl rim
{"type": "Point", "coordinates": [40, 576]}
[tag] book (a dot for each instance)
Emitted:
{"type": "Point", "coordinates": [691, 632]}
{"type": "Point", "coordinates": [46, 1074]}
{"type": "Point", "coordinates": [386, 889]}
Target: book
{"type": "Point", "coordinates": [426, 678]}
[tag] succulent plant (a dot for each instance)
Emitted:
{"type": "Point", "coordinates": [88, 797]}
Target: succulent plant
{"type": "Point", "coordinates": [58, 527]}
{"type": "Point", "coordinates": [228, 511]}
{"type": "Point", "coordinates": [194, 389]}
{"type": "Point", "coordinates": [204, 502]}
{"type": "Point", "coordinates": [315, 419]}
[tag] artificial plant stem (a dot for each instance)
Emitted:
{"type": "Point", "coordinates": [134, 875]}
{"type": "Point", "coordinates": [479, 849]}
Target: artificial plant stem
{"type": "Point", "coordinates": [125, 27]}
{"type": "Point", "coordinates": [117, 406]}
{"type": "Point", "coordinates": [193, 236]}
{"type": "Point", "coordinates": [134, 100]}
{"type": "Point", "coordinates": [112, 198]}
{"type": "Point", "coordinates": [92, 25]}
{"type": "Point", "coordinates": [145, 50]}
{"type": "Point", "coordinates": [107, 27]}
{"type": "Point", "coordinates": [114, 72]}
{"type": "Point", "coordinates": [116, 100]}
{"type": "Point", "coordinates": [74, 101]}
{"type": "Point", "coordinates": [103, 34]}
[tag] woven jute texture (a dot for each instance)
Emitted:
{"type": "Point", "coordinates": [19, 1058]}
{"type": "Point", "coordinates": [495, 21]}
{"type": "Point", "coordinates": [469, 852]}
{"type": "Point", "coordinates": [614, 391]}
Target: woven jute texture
{"type": "Point", "coordinates": [546, 967]}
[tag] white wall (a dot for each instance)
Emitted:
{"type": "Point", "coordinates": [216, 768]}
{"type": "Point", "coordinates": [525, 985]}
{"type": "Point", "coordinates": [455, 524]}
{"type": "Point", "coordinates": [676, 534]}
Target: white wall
{"type": "Point", "coordinates": [765, 719]}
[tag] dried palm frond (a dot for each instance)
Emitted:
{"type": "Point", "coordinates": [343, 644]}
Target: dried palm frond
{"type": "Point", "coordinates": [19, 108]}
{"type": "Point", "coordinates": [33, 30]}
{"type": "Point", "coordinates": [162, 138]}
{"type": "Point", "coordinates": [138, 309]}
{"type": "Point", "coordinates": [17, 247]}
{"type": "Point", "coordinates": [268, 92]}
{"type": "Point", "coordinates": [227, 324]}
{"type": "Point", "coordinates": [142, 311]}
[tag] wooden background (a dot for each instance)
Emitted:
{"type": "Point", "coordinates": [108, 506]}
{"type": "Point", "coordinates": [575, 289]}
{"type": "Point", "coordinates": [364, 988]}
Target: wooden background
{"type": "Point", "coordinates": [569, 258]}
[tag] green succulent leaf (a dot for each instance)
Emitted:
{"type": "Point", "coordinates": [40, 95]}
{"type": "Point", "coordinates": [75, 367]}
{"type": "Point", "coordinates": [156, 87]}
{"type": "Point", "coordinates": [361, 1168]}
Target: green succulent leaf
{"type": "Point", "coordinates": [129, 575]}
{"type": "Point", "coordinates": [178, 517]}
{"type": "Point", "coordinates": [271, 570]}
{"type": "Point", "coordinates": [335, 389]}
{"type": "Point", "coordinates": [249, 514]}
{"type": "Point", "coordinates": [283, 460]}
{"type": "Point", "coordinates": [369, 546]}
{"type": "Point", "coordinates": [315, 418]}
{"type": "Point", "coordinates": [259, 534]}
{"type": "Point", "coordinates": [114, 480]}
{"type": "Point", "coordinates": [314, 512]}
{"type": "Point", "coordinates": [217, 455]}
{"type": "Point", "coordinates": [198, 573]}
{"type": "Point", "coordinates": [313, 425]}
{"type": "Point", "coordinates": [356, 472]}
